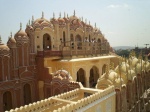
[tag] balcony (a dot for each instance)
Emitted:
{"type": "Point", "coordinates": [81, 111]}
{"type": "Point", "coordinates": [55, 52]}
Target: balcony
{"type": "Point", "coordinates": [69, 49]}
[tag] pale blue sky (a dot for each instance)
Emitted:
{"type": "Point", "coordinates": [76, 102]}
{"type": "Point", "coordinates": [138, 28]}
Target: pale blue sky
{"type": "Point", "coordinates": [123, 22]}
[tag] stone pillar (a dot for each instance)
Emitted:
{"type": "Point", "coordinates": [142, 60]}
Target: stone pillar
{"type": "Point", "coordinates": [87, 75]}
{"type": "Point", "coordinates": [87, 82]}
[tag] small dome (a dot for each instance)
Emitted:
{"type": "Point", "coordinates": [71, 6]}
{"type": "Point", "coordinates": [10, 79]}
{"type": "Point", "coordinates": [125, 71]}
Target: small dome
{"type": "Point", "coordinates": [4, 50]}
{"type": "Point", "coordinates": [119, 82]}
{"type": "Point", "coordinates": [20, 33]}
{"type": "Point", "coordinates": [77, 22]}
{"type": "Point", "coordinates": [54, 20]}
{"type": "Point", "coordinates": [63, 74]}
{"type": "Point", "coordinates": [71, 18]}
{"type": "Point", "coordinates": [40, 20]}
{"type": "Point", "coordinates": [41, 23]}
{"type": "Point", "coordinates": [21, 36]}
{"type": "Point", "coordinates": [133, 61]}
{"type": "Point", "coordinates": [61, 20]}
{"type": "Point", "coordinates": [112, 76]}
{"type": "Point", "coordinates": [11, 42]}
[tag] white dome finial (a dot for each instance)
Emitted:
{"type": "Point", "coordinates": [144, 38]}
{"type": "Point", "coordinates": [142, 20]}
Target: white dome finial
{"type": "Point", "coordinates": [29, 21]}
{"type": "Point", "coordinates": [11, 34]}
{"type": "Point", "coordinates": [32, 19]}
{"type": "Point", "coordinates": [20, 26]}
{"type": "Point", "coordinates": [0, 39]}
{"type": "Point", "coordinates": [74, 13]}
{"type": "Point", "coordinates": [67, 16]}
{"type": "Point", "coordinates": [85, 20]}
{"type": "Point", "coordinates": [60, 14]}
{"type": "Point", "coordinates": [53, 15]}
{"type": "Point", "coordinates": [42, 14]}
{"type": "Point", "coordinates": [64, 14]}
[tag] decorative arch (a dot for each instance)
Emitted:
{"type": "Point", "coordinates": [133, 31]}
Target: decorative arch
{"type": "Point", "coordinates": [7, 101]}
{"type": "Point", "coordinates": [93, 76]}
{"type": "Point", "coordinates": [57, 91]}
{"type": "Point", "coordinates": [72, 41]}
{"type": "Point", "coordinates": [103, 69]}
{"type": "Point", "coordinates": [81, 76]}
{"type": "Point", "coordinates": [47, 42]}
{"type": "Point", "coordinates": [78, 40]}
{"type": "Point", "coordinates": [64, 38]}
{"type": "Point", "coordinates": [27, 94]}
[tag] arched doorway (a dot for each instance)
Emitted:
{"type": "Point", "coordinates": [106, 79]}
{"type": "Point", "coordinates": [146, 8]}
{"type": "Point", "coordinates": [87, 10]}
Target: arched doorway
{"type": "Point", "coordinates": [46, 42]}
{"type": "Point", "coordinates": [72, 41]}
{"type": "Point", "coordinates": [7, 101]}
{"type": "Point", "coordinates": [78, 40]}
{"type": "Point", "coordinates": [81, 76]}
{"type": "Point", "coordinates": [64, 39]}
{"type": "Point", "coordinates": [103, 69]}
{"type": "Point", "coordinates": [93, 76]}
{"type": "Point", "coordinates": [27, 94]}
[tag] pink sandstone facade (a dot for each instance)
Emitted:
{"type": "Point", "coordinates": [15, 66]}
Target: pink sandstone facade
{"type": "Point", "coordinates": [57, 56]}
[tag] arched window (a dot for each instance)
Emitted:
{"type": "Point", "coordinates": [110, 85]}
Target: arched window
{"type": "Point", "coordinates": [81, 76]}
{"type": "Point", "coordinates": [89, 38]}
{"type": "Point", "coordinates": [78, 40]}
{"type": "Point", "coordinates": [72, 41]}
{"type": "Point", "coordinates": [103, 69]}
{"type": "Point", "coordinates": [27, 94]}
{"type": "Point", "coordinates": [93, 76]}
{"type": "Point", "coordinates": [57, 91]}
{"type": "Point", "coordinates": [64, 39]}
{"type": "Point", "coordinates": [46, 42]}
{"type": "Point", "coordinates": [7, 101]}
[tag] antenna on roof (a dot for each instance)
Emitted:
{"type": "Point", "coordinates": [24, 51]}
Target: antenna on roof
{"type": "Point", "coordinates": [146, 45]}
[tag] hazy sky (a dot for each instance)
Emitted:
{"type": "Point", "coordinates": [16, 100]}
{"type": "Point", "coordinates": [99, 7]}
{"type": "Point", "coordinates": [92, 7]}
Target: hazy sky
{"type": "Point", "coordinates": [123, 22]}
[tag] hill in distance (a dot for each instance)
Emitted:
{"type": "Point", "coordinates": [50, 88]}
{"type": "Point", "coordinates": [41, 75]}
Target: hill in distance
{"type": "Point", "coordinates": [123, 47]}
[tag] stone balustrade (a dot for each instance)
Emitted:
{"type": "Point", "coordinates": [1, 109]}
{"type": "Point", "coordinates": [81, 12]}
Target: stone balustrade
{"type": "Point", "coordinates": [67, 102]}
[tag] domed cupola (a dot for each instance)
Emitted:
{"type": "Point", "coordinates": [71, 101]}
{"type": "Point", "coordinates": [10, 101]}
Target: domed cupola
{"type": "Point", "coordinates": [21, 36]}
{"type": "Point", "coordinates": [96, 30]}
{"type": "Point", "coordinates": [4, 50]}
{"type": "Point", "coordinates": [61, 21]}
{"type": "Point", "coordinates": [11, 41]}
{"type": "Point", "coordinates": [66, 18]}
{"type": "Point", "coordinates": [71, 18]}
{"type": "Point", "coordinates": [89, 27]}
{"type": "Point", "coordinates": [75, 22]}
{"type": "Point", "coordinates": [54, 20]}
{"type": "Point", "coordinates": [62, 75]}
{"type": "Point", "coordinates": [42, 23]}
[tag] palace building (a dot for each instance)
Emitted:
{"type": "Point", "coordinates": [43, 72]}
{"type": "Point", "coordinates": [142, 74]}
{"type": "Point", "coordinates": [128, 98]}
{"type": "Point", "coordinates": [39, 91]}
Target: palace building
{"type": "Point", "coordinates": [62, 65]}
